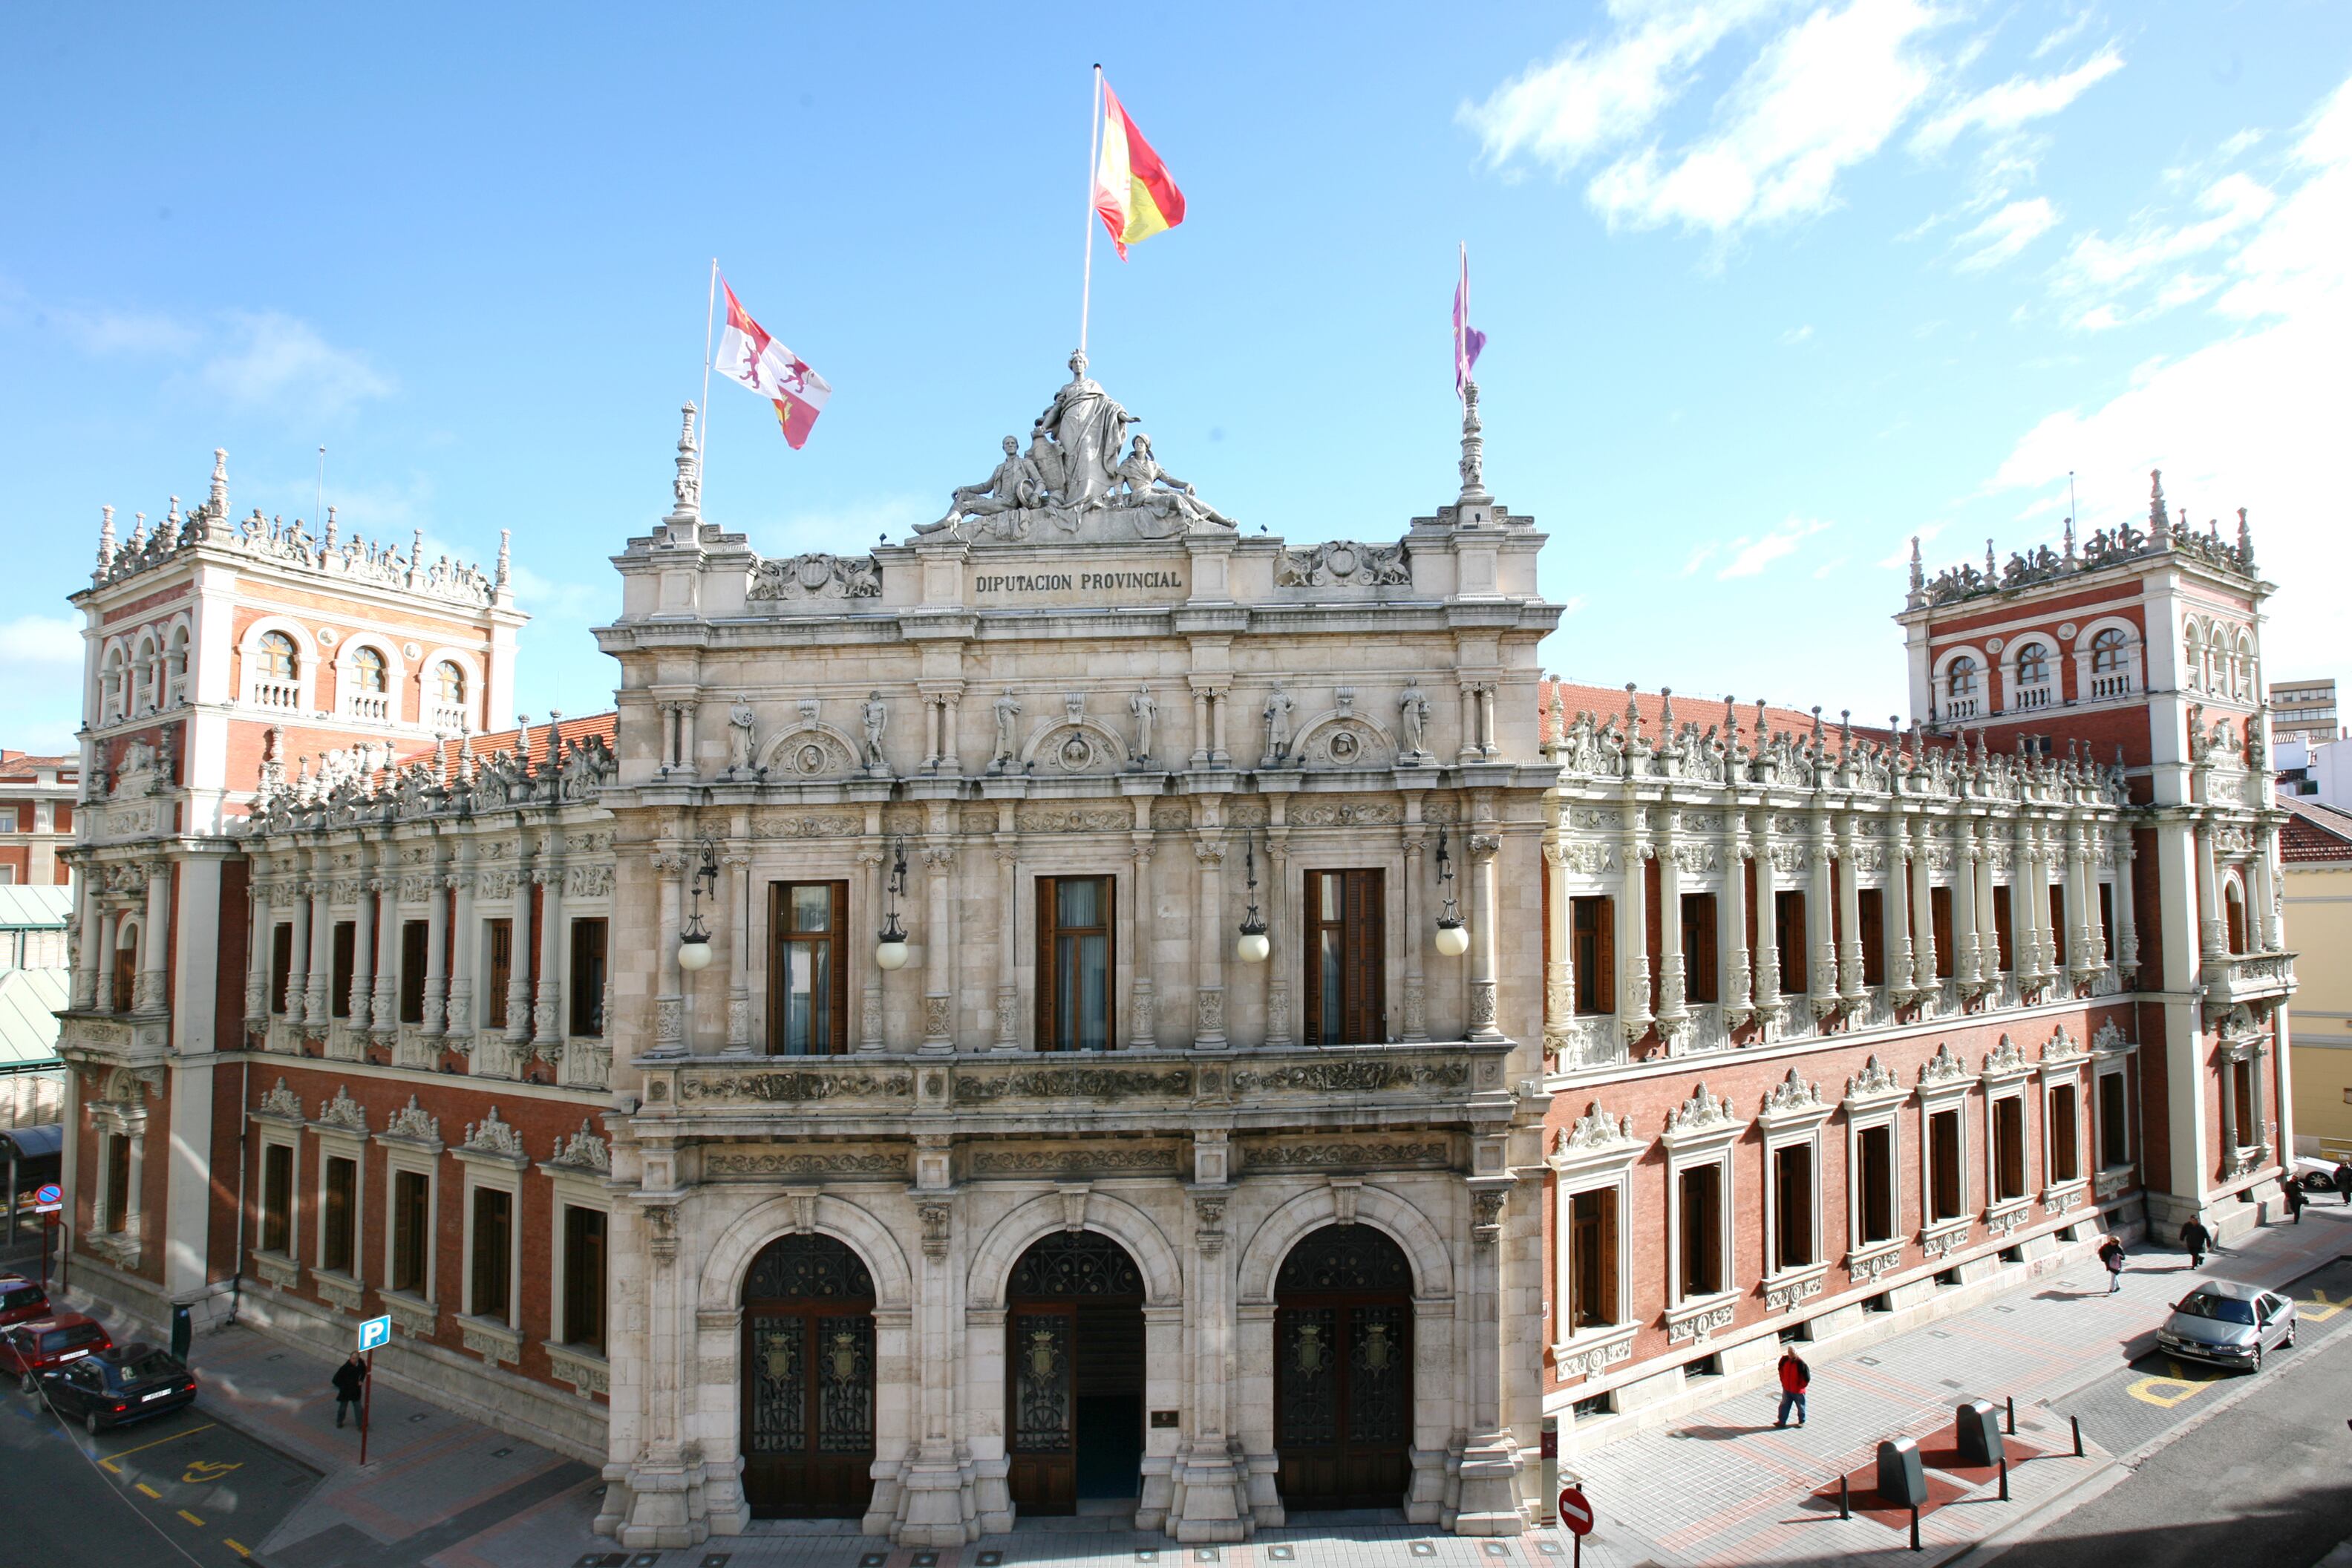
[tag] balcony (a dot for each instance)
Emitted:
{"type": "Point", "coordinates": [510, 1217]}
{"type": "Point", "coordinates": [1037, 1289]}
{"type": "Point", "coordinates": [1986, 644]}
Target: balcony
{"type": "Point", "coordinates": [371, 707]}
{"type": "Point", "coordinates": [2030, 696]}
{"type": "Point", "coordinates": [2234, 978]}
{"type": "Point", "coordinates": [281, 696]}
{"type": "Point", "coordinates": [2110, 685]}
{"type": "Point", "coordinates": [114, 1039]}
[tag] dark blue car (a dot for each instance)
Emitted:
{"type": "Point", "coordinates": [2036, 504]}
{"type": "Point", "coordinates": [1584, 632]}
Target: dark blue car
{"type": "Point", "coordinates": [118, 1385]}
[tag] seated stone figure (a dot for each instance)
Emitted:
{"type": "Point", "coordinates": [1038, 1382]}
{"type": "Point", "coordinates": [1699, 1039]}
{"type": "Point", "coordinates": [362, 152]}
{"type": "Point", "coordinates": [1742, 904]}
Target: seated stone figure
{"type": "Point", "coordinates": [1154, 488]}
{"type": "Point", "coordinates": [1016, 486]}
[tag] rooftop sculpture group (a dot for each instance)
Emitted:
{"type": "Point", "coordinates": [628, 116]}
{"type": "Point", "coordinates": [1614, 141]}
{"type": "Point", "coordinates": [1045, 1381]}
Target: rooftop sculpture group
{"type": "Point", "coordinates": [2104, 547]}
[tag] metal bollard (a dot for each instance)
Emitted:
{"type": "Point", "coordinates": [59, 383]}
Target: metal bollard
{"type": "Point", "coordinates": [1914, 1527]}
{"type": "Point", "coordinates": [2078, 1434]}
{"type": "Point", "coordinates": [2004, 1478]}
{"type": "Point", "coordinates": [2011, 1402]}
{"type": "Point", "coordinates": [1845, 1497]}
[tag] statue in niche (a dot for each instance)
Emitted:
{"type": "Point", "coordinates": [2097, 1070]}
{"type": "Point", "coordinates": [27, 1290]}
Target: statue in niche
{"type": "Point", "coordinates": [1278, 707]}
{"type": "Point", "coordinates": [1017, 485]}
{"type": "Point", "coordinates": [1413, 711]}
{"type": "Point", "coordinates": [1144, 708]}
{"type": "Point", "coordinates": [1155, 490]}
{"type": "Point", "coordinates": [875, 717]}
{"type": "Point", "coordinates": [742, 732]}
{"type": "Point", "coordinates": [1008, 708]}
{"type": "Point", "coordinates": [1086, 427]}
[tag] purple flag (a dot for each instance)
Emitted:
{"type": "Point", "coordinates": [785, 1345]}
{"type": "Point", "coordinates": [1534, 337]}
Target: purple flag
{"type": "Point", "coordinates": [1467, 339]}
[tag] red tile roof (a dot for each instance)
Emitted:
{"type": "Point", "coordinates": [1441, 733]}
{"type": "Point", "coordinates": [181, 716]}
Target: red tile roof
{"type": "Point", "coordinates": [1608, 701]}
{"type": "Point", "coordinates": [2313, 833]}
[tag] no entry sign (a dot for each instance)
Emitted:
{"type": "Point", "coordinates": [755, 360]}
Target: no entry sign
{"type": "Point", "coordinates": [1574, 1511]}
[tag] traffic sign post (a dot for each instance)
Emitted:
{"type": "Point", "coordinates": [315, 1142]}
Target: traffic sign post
{"type": "Point", "coordinates": [374, 1333]}
{"type": "Point", "coordinates": [1577, 1515]}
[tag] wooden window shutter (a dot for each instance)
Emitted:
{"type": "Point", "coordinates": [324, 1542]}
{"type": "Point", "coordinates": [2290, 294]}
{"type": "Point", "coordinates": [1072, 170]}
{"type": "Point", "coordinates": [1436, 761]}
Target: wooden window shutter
{"type": "Point", "coordinates": [1604, 942]}
{"type": "Point", "coordinates": [1045, 979]}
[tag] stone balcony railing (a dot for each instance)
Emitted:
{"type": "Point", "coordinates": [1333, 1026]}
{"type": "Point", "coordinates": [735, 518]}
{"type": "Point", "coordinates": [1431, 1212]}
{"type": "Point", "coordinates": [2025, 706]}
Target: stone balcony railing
{"type": "Point", "coordinates": [2233, 979]}
{"type": "Point", "coordinates": [128, 1040]}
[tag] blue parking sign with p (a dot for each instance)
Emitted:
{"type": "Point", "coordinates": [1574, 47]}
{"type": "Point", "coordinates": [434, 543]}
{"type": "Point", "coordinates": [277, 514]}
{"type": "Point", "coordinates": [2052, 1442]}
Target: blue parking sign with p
{"type": "Point", "coordinates": [375, 1331]}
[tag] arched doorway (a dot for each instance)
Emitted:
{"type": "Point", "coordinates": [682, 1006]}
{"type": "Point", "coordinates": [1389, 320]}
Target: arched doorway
{"type": "Point", "coordinates": [1343, 1369]}
{"type": "Point", "coordinates": [808, 1381]}
{"type": "Point", "coordinates": [1074, 1374]}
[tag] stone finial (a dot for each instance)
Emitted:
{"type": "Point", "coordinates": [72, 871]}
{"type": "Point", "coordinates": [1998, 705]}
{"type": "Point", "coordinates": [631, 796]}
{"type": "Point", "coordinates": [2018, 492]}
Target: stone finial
{"type": "Point", "coordinates": [331, 528]}
{"type": "Point", "coordinates": [105, 539]}
{"type": "Point", "coordinates": [217, 502]}
{"type": "Point", "coordinates": [2158, 517]}
{"type": "Point", "coordinates": [2245, 542]}
{"type": "Point", "coordinates": [1919, 571]}
{"type": "Point", "coordinates": [687, 487]}
{"type": "Point", "coordinates": [416, 558]}
{"type": "Point", "coordinates": [1992, 567]}
{"type": "Point", "coordinates": [505, 578]}
{"type": "Point", "coordinates": [1666, 711]}
{"type": "Point", "coordinates": [1473, 449]}
{"type": "Point", "coordinates": [2070, 542]}
{"type": "Point", "coordinates": [554, 736]}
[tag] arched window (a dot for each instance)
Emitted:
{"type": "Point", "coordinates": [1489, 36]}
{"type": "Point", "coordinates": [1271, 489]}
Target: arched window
{"type": "Point", "coordinates": [175, 665]}
{"type": "Point", "coordinates": [113, 684]}
{"type": "Point", "coordinates": [1962, 675]}
{"type": "Point", "coordinates": [2233, 913]}
{"type": "Point", "coordinates": [2032, 663]}
{"type": "Point", "coordinates": [368, 671]}
{"type": "Point", "coordinates": [448, 684]}
{"type": "Point", "coordinates": [277, 658]}
{"type": "Point", "coordinates": [2107, 652]}
{"type": "Point", "coordinates": [144, 670]}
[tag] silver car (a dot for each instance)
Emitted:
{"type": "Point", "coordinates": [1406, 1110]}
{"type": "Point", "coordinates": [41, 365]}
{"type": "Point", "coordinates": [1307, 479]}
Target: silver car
{"type": "Point", "coordinates": [2229, 1324]}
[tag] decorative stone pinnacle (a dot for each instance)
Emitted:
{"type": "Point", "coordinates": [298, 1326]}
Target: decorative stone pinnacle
{"type": "Point", "coordinates": [1473, 449]}
{"type": "Point", "coordinates": [505, 578]}
{"type": "Point", "coordinates": [218, 501]}
{"type": "Point", "coordinates": [1992, 568]}
{"type": "Point", "coordinates": [1918, 571]}
{"type": "Point", "coordinates": [105, 537]}
{"type": "Point", "coordinates": [687, 487]}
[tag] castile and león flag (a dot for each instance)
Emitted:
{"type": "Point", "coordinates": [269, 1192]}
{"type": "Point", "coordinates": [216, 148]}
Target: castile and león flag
{"type": "Point", "coordinates": [748, 354]}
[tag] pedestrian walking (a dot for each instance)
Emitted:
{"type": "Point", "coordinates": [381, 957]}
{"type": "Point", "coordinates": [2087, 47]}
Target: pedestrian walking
{"type": "Point", "coordinates": [1795, 1377]}
{"type": "Point", "coordinates": [351, 1379]}
{"type": "Point", "coordinates": [2344, 1182]}
{"type": "Point", "coordinates": [2111, 1254]}
{"type": "Point", "coordinates": [2292, 1190]}
{"type": "Point", "coordinates": [2196, 1240]}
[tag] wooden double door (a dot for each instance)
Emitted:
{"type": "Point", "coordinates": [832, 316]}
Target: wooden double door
{"type": "Point", "coordinates": [1074, 1355]}
{"type": "Point", "coordinates": [808, 1381]}
{"type": "Point", "coordinates": [1343, 1371]}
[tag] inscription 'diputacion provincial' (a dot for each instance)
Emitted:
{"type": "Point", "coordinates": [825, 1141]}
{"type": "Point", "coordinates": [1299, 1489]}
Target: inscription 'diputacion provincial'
{"type": "Point", "coordinates": [1074, 581]}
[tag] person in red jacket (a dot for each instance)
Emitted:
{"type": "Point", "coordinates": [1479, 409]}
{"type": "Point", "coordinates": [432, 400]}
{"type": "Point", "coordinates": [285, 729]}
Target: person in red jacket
{"type": "Point", "coordinates": [1794, 1375]}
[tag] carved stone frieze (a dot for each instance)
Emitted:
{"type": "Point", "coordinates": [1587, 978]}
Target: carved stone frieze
{"type": "Point", "coordinates": [1373, 1077]}
{"type": "Point", "coordinates": [1074, 1083]}
{"type": "Point", "coordinates": [1116, 1159]}
{"type": "Point", "coordinates": [816, 576]}
{"type": "Point", "coordinates": [1344, 561]}
{"type": "Point", "coordinates": [1350, 1155]}
{"type": "Point", "coordinates": [795, 1086]}
{"type": "Point", "coordinates": [805, 1163]}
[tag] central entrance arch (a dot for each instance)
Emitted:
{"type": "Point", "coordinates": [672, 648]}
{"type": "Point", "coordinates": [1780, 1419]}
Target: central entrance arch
{"type": "Point", "coordinates": [1343, 1369]}
{"type": "Point", "coordinates": [1074, 1374]}
{"type": "Point", "coordinates": [808, 1381]}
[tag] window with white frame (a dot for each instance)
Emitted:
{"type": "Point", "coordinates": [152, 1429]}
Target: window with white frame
{"type": "Point", "coordinates": [274, 671]}
{"type": "Point", "coordinates": [446, 695]}
{"type": "Point", "coordinates": [277, 1218]}
{"type": "Point", "coordinates": [112, 699]}
{"type": "Point", "coordinates": [1944, 1158]}
{"type": "Point", "coordinates": [1700, 1261]}
{"type": "Point", "coordinates": [2030, 684]}
{"type": "Point", "coordinates": [1876, 1184]}
{"type": "Point", "coordinates": [367, 685]}
{"type": "Point", "coordinates": [491, 1242]}
{"type": "Point", "coordinates": [1963, 688]}
{"type": "Point", "coordinates": [1792, 1120]}
{"type": "Point", "coordinates": [2062, 1141]}
{"type": "Point", "coordinates": [2115, 1128]}
{"type": "Point", "coordinates": [342, 1159]}
{"type": "Point", "coordinates": [580, 1276]}
{"type": "Point", "coordinates": [411, 1203]}
{"type": "Point", "coordinates": [175, 668]}
{"type": "Point", "coordinates": [2008, 1164]}
{"type": "Point", "coordinates": [2109, 671]}
{"type": "Point", "coordinates": [1592, 1167]}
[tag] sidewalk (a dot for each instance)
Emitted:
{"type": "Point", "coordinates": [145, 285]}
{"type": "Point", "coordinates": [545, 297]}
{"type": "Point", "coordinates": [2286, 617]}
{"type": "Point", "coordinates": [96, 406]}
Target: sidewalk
{"type": "Point", "coordinates": [1724, 1487]}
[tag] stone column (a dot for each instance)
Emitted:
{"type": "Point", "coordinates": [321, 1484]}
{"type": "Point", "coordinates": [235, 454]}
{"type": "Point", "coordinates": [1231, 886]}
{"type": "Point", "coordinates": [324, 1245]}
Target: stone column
{"type": "Point", "coordinates": [1820, 920]}
{"type": "Point", "coordinates": [1219, 701]}
{"type": "Point", "coordinates": [870, 1032]}
{"type": "Point", "coordinates": [383, 1007]}
{"type": "Point", "coordinates": [1486, 718]}
{"type": "Point", "coordinates": [1849, 881]}
{"type": "Point", "coordinates": [1201, 745]}
{"type": "Point", "coordinates": [2213, 931]}
{"type": "Point", "coordinates": [1632, 930]}
{"type": "Point", "coordinates": [109, 930]}
{"type": "Point", "coordinates": [361, 997]}
{"type": "Point", "coordinates": [89, 966]}
{"type": "Point", "coordinates": [1767, 918]}
{"type": "Point", "coordinates": [2261, 934]}
{"type": "Point", "coordinates": [155, 940]}
{"type": "Point", "coordinates": [1209, 941]}
{"type": "Point", "coordinates": [1674, 1014]}
{"type": "Point", "coordinates": [1416, 929]}
{"type": "Point", "coordinates": [1008, 927]}
{"type": "Point", "coordinates": [1282, 964]}
{"type": "Point", "coordinates": [1482, 848]}
{"type": "Point", "coordinates": [1988, 920]}
{"type": "Point", "coordinates": [950, 710]}
{"type": "Point", "coordinates": [257, 953]}
{"type": "Point", "coordinates": [1732, 926]}
{"type": "Point", "coordinates": [2084, 906]}
{"type": "Point", "coordinates": [1898, 906]}
{"type": "Point", "coordinates": [669, 986]}
{"type": "Point", "coordinates": [2126, 930]}
{"type": "Point", "coordinates": [1143, 1031]}
{"type": "Point", "coordinates": [938, 950]}
{"type": "Point", "coordinates": [1559, 968]}
{"type": "Point", "coordinates": [937, 1510]}
{"type": "Point", "coordinates": [1923, 896]}
{"type": "Point", "coordinates": [436, 946]}
{"type": "Point", "coordinates": [2029, 887]}
{"type": "Point", "coordinates": [737, 924]}
{"type": "Point", "coordinates": [1212, 1500]}
{"type": "Point", "coordinates": [465, 937]}
{"type": "Point", "coordinates": [1468, 750]}
{"type": "Point", "coordinates": [1967, 953]}
{"type": "Point", "coordinates": [1490, 1456]}
{"type": "Point", "coordinates": [321, 957]}
{"type": "Point", "coordinates": [547, 1022]}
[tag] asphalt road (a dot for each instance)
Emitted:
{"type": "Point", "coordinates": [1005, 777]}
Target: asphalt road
{"type": "Point", "coordinates": [2266, 1479]}
{"type": "Point", "coordinates": [180, 1488]}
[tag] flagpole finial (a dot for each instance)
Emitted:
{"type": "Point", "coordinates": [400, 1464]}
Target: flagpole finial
{"type": "Point", "coordinates": [1473, 449]}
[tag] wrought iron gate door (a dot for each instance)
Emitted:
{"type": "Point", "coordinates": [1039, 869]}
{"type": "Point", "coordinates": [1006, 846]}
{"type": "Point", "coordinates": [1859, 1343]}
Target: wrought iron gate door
{"type": "Point", "coordinates": [1343, 1371]}
{"type": "Point", "coordinates": [1043, 1342]}
{"type": "Point", "coordinates": [1074, 1373]}
{"type": "Point", "coordinates": [808, 1382]}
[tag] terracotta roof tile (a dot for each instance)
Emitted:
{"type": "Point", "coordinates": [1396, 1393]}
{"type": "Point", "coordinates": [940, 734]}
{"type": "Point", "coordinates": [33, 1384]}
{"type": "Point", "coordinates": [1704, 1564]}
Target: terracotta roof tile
{"type": "Point", "coordinates": [1607, 701]}
{"type": "Point", "coordinates": [2313, 833]}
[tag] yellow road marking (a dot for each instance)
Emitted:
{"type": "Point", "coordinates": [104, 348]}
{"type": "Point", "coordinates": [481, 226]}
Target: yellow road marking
{"type": "Point", "coordinates": [108, 1462]}
{"type": "Point", "coordinates": [2319, 1308]}
{"type": "Point", "coordinates": [151, 1491]}
{"type": "Point", "coordinates": [192, 1519]}
{"type": "Point", "coordinates": [2166, 1392]}
{"type": "Point", "coordinates": [234, 1546]}
{"type": "Point", "coordinates": [200, 1470]}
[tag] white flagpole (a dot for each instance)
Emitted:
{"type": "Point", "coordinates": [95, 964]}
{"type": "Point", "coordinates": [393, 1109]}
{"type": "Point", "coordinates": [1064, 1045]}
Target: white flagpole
{"type": "Point", "coordinates": [1094, 150]}
{"type": "Point", "coordinates": [709, 314]}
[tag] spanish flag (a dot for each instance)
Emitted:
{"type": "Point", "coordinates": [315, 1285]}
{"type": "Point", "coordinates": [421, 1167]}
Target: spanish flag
{"type": "Point", "coordinates": [1133, 193]}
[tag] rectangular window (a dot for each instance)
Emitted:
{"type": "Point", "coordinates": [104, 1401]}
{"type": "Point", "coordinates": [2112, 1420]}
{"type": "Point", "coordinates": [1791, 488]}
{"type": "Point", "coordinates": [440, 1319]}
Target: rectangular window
{"type": "Point", "coordinates": [2246, 1100]}
{"type": "Point", "coordinates": [2001, 924]}
{"type": "Point", "coordinates": [339, 1235]}
{"type": "Point", "coordinates": [416, 945]}
{"type": "Point", "coordinates": [1702, 1227]}
{"type": "Point", "coordinates": [500, 969]}
{"type": "Point", "coordinates": [1592, 928]}
{"type": "Point", "coordinates": [1792, 1205]}
{"type": "Point", "coordinates": [1870, 904]}
{"type": "Point", "coordinates": [2115, 1126]}
{"type": "Point", "coordinates": [1073, 963]}
{"type": "Point", "coordinates": [587, 983]}
{"type": "Point", "coordinates": [584, 1277]}
{"type": "Point", "coordinates": [2058, 933]}
{"type": "Point", "coordinates": [2066, 1162]}
{"type": "Point", "coordinates": [278, 1199]}
{"type": "Point", "coordinates": [1939, 917]}
{"type": "Point", "coordinates": [339, 983]}
{"type": "Point", "coordinates": [1699, 982]}
{"type": "Point", "coordinates": [1347, 990]}
{"type": "Point", "coordinates": [7, 819]}
{"type": "Point", "coordinates": [118, 1185]}
{"type": "Point", "coordinates": [1788, 920]}
{"type": "Point", "coordinates": [412, 1230]}
{"type": "Point", "coordinates": [493, 1239]}
{"type": "Point", "coordinates": [2107, 920]}
{"type": "Point", "coordinates": [2008, 1148]}
{"type": "Point", "coordinates": [1875, 1151]}
{"type": "Point", "coordinates": [126, 976]}
{"type": "Point", "coordinates": [1944, 1166]}
{"type": "Point", "coordinates": [1592, 1259]}
{"type": "Point", "coordinates": [808, 990]}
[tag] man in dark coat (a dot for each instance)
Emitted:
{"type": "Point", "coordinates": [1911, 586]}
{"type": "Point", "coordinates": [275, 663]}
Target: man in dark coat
{"type": "Point", "coordinates": [351, 1381]}
{"type": "Point", "coordinates": [2197, 1240]}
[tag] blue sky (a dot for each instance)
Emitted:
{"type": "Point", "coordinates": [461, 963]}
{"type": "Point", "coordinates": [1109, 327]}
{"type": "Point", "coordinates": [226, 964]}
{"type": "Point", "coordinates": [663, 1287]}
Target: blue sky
{"type": "Point", "coordinates": [1769, 288]}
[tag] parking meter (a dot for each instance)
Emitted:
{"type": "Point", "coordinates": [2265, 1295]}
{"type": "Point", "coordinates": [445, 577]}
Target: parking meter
{"type": "Point", "coordinates": [182, 1329]}
{"type": "Point", "coordinates": [1977, 1432]}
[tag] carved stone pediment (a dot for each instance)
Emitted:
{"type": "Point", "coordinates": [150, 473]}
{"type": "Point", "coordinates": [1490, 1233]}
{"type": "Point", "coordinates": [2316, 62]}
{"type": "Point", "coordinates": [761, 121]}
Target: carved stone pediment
{"type": "Point", "coordinates": [1344, 561]}
{"type": "Point", "coordinates": [816, 576]}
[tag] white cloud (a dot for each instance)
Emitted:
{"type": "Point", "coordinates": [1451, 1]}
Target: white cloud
{"type": "Point", "coordinates": [110, 334]}
{"type": "Point", "coordinates": [1698, 558]}
{"type": "Point", "coordinates": [2001, 236]}
{"type": "Point", "coordinates": [2063, 36]}
{"type": "Point", "coordinates": [1750, 556]}
{"type": "Point", "coordinates": [2013, 103]}
{"type": "Point", "coordinates": [2236, 203]}
{"type": "Point", "coordinates": [276, 358]}
{"type": "Point", "coordinates": [47, 642]}
{"type": "Point", "coordinates": [1796, 335]}
{"type": "Point", "coordinates": [1599, 95]}
{"type": "Point", "coordinates": [2254, 418]}
{"type": "Point", "coordinates": [1822, 96]}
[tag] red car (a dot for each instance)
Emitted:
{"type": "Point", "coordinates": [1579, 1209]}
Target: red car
{"type": "Point", "coordinates": [28, 1349]}
{"type": "Point", "coordinates": [21, 1301]}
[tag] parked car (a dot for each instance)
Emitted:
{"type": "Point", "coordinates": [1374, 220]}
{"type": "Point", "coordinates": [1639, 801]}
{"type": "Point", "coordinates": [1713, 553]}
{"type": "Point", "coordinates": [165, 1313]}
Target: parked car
{"type": "Point", "coordinates": [28, 1349]}
{"type": "Point", "coordinates": [2316, 1175]}
{"type": "Point", "coordinates": [2229, 1324]}
{"type": "Point", "coordinates": [119, 1385]}
{"type": "Point", "coordinates": [21, 1301]}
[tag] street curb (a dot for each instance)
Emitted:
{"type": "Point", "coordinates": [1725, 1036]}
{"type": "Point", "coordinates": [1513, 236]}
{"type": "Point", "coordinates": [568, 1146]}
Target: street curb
{"type": "Point", "coordinates": [2113, 1473]}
